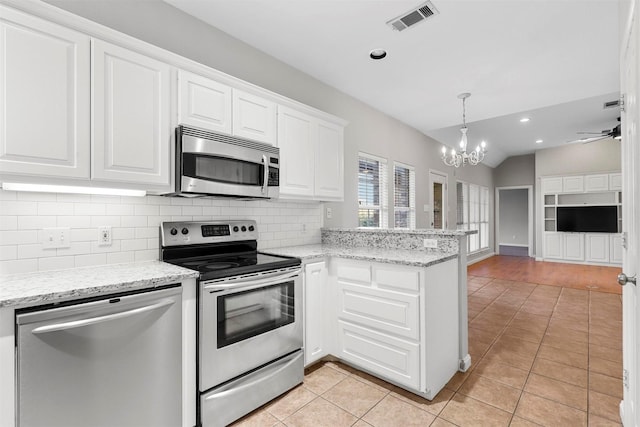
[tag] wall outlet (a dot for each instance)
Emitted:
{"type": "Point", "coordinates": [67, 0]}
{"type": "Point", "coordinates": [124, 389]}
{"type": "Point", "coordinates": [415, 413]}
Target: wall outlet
{"type": "Point", "coordinates": [56, 238]}
{"type": "Point", "coordinates": [104, 236]}
{"type": "Point", "coordinates": [329, 213]}
{"type": "Point", "coordinates": [431, 243]}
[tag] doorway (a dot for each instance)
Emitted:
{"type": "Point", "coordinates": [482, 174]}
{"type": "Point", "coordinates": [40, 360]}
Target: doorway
{"type": "Point", "coordinates": [439, 195]}
{"type": "Point", "coordinates": [514, 221]}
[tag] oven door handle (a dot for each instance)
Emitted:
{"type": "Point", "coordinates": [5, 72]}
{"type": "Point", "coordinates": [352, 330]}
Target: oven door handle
{"type": "Point", "coordinates": [253, 283]}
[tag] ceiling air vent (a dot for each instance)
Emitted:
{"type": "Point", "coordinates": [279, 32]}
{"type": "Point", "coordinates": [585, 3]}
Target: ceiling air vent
{"type": "Point", "coordinates": [412, 17]}
{"type": "Point", "coordinates": [611, 104]}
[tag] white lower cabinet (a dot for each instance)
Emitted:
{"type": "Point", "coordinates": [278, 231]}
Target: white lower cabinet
{"type": "Point", "coordinates": [553, 244]}
{"type": "Point", "coordinates": [315, 307]}
{"type": "Point", "coordinates": [597, 247]}
{"type": "Point", "coordinates": [615, 248]}
{"type": "Point", "coordinates": [398, 322]}
{"type": "Point", "coordinates": [573, 246]}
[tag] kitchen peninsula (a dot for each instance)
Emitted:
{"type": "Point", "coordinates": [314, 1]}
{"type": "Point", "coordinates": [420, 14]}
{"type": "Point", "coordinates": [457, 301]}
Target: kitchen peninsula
{"type": "Point", "coordinates": [382, 301]}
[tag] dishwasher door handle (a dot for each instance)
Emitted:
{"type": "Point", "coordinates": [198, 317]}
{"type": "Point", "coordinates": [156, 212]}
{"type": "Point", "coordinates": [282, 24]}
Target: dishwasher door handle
{"type": "Point", "coordinates": [100, 319]}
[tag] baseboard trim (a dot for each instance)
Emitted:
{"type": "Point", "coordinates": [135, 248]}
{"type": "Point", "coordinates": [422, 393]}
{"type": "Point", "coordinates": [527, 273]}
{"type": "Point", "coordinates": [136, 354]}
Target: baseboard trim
{"type": "Point", "coordinates": [480, 258]}
{"type": "Point", "coordinates": [465, 363]}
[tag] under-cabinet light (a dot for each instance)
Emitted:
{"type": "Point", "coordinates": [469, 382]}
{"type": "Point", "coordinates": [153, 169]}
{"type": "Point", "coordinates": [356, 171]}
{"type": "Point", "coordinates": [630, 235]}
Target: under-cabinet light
{"type": "Point", "coordinates": [46, 188]}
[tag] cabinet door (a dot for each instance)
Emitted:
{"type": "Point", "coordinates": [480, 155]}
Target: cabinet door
{"type": "Point", "coordinates": [553, 245]}
{"type": "Point", "coordinates": [203, 103]}
{"type": "Point", "coordinates": [615, 181]}
{"type": "Point", "coordinates": [615, 248]}
{"type": "Point", "coordinates": [44, 98]}
{"type": "Point", "coordinates": [390, 357]}
{"type": "Point", "coordinates": [329, 162]}
{"type": "Point", "coordinates": [551, 185]}
{"type": "Point", "coordinates": [131, 115]}
{"type": "Point", "coordinates": [574, 246]}
{"type": "Point", "coordinates": [254, 117]}
{"type": "Point", "coordinates": [599, 182]}
{"type": "Point", "coordinates": [597, 247]}
{"type": "Point", "coordinates": [315, 285]}
{"type": "Point", "coordinates": [573, 184]}
{"type": "Point", "coordinates": [296, 140]}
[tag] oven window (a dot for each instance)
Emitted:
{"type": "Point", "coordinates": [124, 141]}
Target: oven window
{"type": "Point", "coordinates": [246, 314]}
{"type": "Point", "coordinates": [222, 169]}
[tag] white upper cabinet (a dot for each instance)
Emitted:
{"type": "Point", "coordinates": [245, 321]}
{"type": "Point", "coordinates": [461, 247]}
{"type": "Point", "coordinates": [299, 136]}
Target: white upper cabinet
{"type": "Point", "coordinates": [204, 103]}
{"type": "Point", "coordinates": [615, 181]}
{"type": "Point", "coordinates": [311, 156]}
{"type": "Point", "coordinates": [297, 141]}
{"type": "Point", "coordinates": [329, 167]}
{"type": "Point", "coordinates": [573, 184]}
{"type": "Point", "coordinates": [598, 182]}
{"type": "Point", "coordinates": [551, 185]}
{"type": "Point", "coordinates": [254, 117]}
{"type": "Point", "coordinates": [44, 98]}
{"type": "Point", "coordinates": [131, 116]}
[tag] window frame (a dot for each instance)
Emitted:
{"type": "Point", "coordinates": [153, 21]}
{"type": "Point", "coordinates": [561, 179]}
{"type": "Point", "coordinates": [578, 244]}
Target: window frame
{"type": "Point", "coordinates": [411, 209]}
{"type": "Point", "coordinates": [475, 214]}
{"type": "Point", "coordinates": [382, 208]}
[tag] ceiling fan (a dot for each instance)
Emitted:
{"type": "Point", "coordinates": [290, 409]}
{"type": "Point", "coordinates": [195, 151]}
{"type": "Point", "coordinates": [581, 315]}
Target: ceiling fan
{"type": "Point", "coordinates": [597, 136]}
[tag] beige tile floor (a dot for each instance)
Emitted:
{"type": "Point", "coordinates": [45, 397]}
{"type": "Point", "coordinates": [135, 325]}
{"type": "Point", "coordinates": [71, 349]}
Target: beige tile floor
{"type": "Point", "coordinates": [542, 355]}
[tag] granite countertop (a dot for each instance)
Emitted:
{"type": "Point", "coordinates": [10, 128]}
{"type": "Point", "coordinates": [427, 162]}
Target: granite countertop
{"type": "Point", "coordinates": [21, 290]}
{"type": "Point", "coordinates": [411, 257]}
{"type": "Point", "coordinates": [418, 231]}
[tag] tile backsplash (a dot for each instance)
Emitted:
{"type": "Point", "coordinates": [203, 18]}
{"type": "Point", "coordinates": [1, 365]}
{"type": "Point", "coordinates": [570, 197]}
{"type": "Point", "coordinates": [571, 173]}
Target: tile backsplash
{"type": "Point", "coordinates": [134, 222]}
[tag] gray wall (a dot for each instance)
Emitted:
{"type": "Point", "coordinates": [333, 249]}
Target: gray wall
{"type": "Point", "coordinates": [369, 130]}
{"type": "Point", "coordinates": [514, 211]}
{"type": "Point", "coordinates": [598, 156]}
{"type": "Point", "coordinates": [516, 171]}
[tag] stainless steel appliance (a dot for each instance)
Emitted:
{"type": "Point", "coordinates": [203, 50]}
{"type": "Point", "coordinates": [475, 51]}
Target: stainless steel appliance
{"type": "Point", "coordinates": [249, 316]}
{"type": "Point", "coordinates": [209, 163]}
{"type": "Point", "coordinates": [114, 361]}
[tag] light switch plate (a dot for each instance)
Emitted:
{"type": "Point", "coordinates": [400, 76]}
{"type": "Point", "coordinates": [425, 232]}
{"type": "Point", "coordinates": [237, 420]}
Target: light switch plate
{"type": "Point", "coordinates": [56, 238]}
{"type": "Point", "coordinates": [431, 243]}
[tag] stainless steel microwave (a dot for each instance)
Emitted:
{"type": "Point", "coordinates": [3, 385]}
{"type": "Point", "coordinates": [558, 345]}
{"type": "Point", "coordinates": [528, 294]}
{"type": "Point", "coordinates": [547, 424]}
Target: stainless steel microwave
{"type": "Point", "coordinates": [212, 164]}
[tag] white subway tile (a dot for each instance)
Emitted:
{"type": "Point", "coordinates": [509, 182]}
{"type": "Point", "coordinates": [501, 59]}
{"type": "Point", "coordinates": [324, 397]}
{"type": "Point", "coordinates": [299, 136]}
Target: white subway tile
{"type": "Point", "coordinates": [76, 248]}
{"type": "Point", "coordinates": [89, 260]}
{"type": "Point", "coordinates": [8, 222]}
{"type": "Point", "coordinates": [121, 233]}
{"type": "Point", "coordinates": [8, 252]}
{"type": "Point", "coordinates": [192, 210]}
{"type": "Point", "coordinates": [18, 266]}
{"type": "Point", "coordinates": [133, 244]}
{"type": "Point", "coordinates": [57, 263]}
{"type": "Point", "coordinates": [30, 222]}
{"type": "Point", "coordinates": [71, 221]}
{"type": "Point", "coordinates": [154, 221]}
{"type": "Point", "coordinates": [84, 234]}
{"type": "Point", "coordinates": [34, 251]}
{"type": "Point", "coordinates": [202, 201]}
{"type": "Point", "coordinates": [181, 201]}
{"type": "Point", "coordinates": [19, 208]}
{"type": "Point", "coordinates": [89, 209]}
{"type": "Point", "coordinates": [153, 243]}
{"type": "Point", "coordinates": [147, 210]}
{"type": "Point", "coordinates": [19, 237]}
{"type": "Point", "coordinates": [133, 221]}
{"type": "Point", "coordinates": [147, 232]}
{"type": "Point", "coordinates": [113, 209]}
{"type": "Point", "coordinates": [7, 195]}
{"type": "Point", "coordinates": [157, 200]}
{"type": "Point", "coordinates": [107, 200]}
{"type": "Point", "coordinates": [34, 196]}
{"type": "Point", "coordinates": [55, 208]}
{"type": "Point", "coordinates": [105, 221]}
{"type": "Point", "coordinates": [120, 257]}
{"type": "Point", "coordinates": [148, 255]}
{"type": "Point", "coordinates": [115, 246]}
{"type": "Point", "coordinates": [170, 210]}
{"type": "Point", "coordinates": [133, 200]}
{"type": "Point", "coordinates": [73, 198]}
{"type": "Point", "coordinates": [210, 211]}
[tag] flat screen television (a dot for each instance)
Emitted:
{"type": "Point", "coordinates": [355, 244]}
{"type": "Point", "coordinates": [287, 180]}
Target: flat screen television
{"type": "Point", "coordinates": [588, 219]}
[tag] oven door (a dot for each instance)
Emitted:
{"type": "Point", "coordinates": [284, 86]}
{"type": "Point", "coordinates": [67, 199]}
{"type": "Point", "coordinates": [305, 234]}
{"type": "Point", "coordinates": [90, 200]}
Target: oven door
{"type": "Point", "coordinates": [246, 322]}
{"type": "Point", "coordinates": [210, 166]}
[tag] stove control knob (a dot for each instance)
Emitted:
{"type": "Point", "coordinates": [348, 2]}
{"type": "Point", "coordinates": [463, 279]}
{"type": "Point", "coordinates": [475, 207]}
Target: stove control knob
{"type": "Point", "coordinates": [235, 229]}
{"type": "Point", "coordinates": [185, 230]}
{"type": "Point", "coordinates": [244, 228]}
{"type": "Point", "coordinates": [251, 228]}
{"type": "Point", "coordinates": [173, 231]}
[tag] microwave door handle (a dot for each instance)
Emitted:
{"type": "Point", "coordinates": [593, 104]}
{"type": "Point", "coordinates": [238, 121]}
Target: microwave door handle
{"type": "Point", "coordinates": [265, 182]}
{"type": "Point", "coordinates": [253, 282]}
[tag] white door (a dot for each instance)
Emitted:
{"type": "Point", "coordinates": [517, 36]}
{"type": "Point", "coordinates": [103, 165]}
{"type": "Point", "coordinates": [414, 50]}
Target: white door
{"type": "Point", "coordinates": [631, 217]}
{"type": "Point", "coordinates": [44, 97]}
{"type": "Point", "coordinates": [131, 136]}
{"type": "Point", "coordinates": [438, 197]}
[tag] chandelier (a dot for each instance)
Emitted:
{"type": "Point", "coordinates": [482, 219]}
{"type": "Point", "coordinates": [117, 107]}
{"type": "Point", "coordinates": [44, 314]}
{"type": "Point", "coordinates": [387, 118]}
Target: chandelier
{"type": "Point", "coordinates": [457, 159]}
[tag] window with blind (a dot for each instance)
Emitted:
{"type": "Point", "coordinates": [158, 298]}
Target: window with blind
{"type": "Point", "coordinates": [472, 213]}
{"type": "Point", "coordinates": [372, 191]}
{"type": "Point", "coordinates": [404, 196]}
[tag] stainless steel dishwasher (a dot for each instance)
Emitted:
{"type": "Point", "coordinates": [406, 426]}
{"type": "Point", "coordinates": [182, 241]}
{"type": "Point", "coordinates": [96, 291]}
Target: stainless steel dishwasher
{"type": "Point", "coordinates": [108, 362]}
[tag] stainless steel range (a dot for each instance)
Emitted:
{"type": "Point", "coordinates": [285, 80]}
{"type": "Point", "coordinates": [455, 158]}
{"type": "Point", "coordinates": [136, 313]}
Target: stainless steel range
{"type": "Point", "coordinates": [249, 316]}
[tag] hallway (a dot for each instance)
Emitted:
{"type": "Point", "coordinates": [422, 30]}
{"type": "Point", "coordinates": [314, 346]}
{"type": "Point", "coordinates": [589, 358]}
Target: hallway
{"type": "Point", "coordinates": [542, 354]}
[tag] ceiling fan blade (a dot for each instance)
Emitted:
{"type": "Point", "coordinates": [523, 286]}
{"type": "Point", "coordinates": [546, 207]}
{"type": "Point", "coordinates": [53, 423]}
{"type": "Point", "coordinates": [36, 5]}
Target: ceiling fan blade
{"type": "Point", "coordinates": [587, 140]}
{"type": "Point", "coordinates": [604, 132]}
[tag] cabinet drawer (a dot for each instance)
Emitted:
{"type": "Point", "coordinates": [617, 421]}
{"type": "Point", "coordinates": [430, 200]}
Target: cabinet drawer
{"type": "Point", "coordinates": [392, 358]}
{"type": "Point", "coordinates": [403, 279]}
{"type": "Point", "coordinates": [354, 272]}
{"type": "Point", "coordinates": [392, 312]}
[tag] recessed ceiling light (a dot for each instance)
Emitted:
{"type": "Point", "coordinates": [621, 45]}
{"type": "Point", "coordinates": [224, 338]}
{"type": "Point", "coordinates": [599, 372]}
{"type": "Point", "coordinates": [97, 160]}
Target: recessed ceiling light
{"type": "Point", "coordinates": [524, 119]}
{"type": "Point", "coordinates": [539, 141]}
{"type": "Point", "coordinates": [377, 54]}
